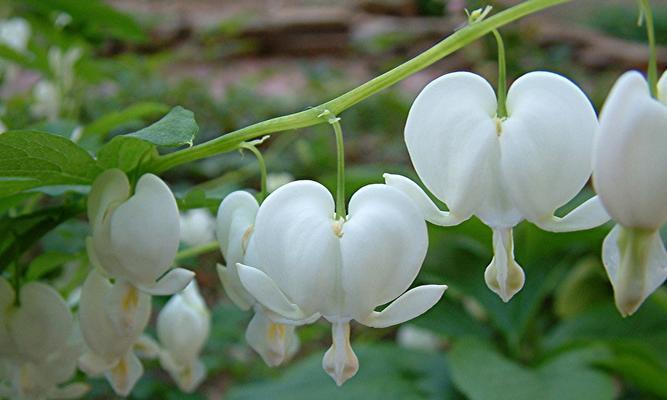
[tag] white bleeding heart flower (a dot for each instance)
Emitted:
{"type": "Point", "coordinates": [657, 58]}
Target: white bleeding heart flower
{"type": "Point", "coordinates": [113, 317]}
{"type": "Point", "coordinates": [15, 33]}
{"type": "Point", "coordinates": [303, 263]}
{"type": "Point", "coordinates": [135, 238]}
{"type": "Point", "coordinates": [630, 177]}
{"type": "Point", "coordinates": [275, 342]}
{"type": "Point", "coordinates": [197, 227]}
{"type": "Point", "coordinates": [39, 344]}
{"type": "Point", "coordinates": [183, 326]}
{"type": "Point", "coordinates": [503, 170]}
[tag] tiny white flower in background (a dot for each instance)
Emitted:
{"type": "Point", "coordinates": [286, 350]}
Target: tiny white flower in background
{"type": "Point", "coordinates": [413, 337]}
{"type": "Point", "coordinates": [113, 317]}
{"type": "Point", "coordinates": [275, 342]}
{"type": "Point", "coordinates": [39, 344]}
{"type": "Point", "coordinates": [275, 180]}
{"type": "Point", "coordinates": [302, 263]}
{"type": "Point", "coordinates": [3, 127]}
{"type": "Point", "coordinates": [15, 33]}
{"type": "Point", "coordinates": [183, 327]}
{"type": "Point", "coordinates": [197, 227]}
{"type": "Point", "coordinates": [51, 97]}
{"type": "Point", "coordinates": [62, 20]}
{"type": "Point", "coordinates": [62, 65]}
{"type": "Point", "coordinates": [135, 237]}
{"type": "Point", "coordinates": [630, 176]}
{"type": "Point", "coordinates": [47, 101]}
{"type": "Point", "coordinates": [502, 170]}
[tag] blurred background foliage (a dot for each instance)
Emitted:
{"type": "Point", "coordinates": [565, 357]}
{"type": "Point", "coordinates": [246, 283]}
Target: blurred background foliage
{"type": "Point", "coordinates": [234, 64]}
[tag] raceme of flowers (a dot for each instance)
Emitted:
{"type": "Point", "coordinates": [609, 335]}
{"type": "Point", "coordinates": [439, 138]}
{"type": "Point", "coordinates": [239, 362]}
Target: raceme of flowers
{"type": "Point", "coordinates": [293, 260]}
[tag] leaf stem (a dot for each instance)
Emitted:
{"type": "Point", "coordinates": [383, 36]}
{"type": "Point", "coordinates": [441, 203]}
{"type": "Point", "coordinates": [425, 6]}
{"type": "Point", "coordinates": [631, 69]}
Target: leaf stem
{"type": "Point", "coordinates": [309, 117]}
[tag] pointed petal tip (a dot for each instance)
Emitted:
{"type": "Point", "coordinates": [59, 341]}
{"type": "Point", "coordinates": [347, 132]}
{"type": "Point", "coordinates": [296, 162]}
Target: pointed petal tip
{"type": "Point", "coordinates": [172, 282]}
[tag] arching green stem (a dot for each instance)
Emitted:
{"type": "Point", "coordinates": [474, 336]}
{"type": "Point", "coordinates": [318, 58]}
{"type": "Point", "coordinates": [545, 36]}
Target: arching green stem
{"type": "Point", "coordinates": [502, 75]}
{"type": "Point", "coordinates": [645, 9]}
{"type": "Point", "coordinates": [310, 117]}
{"type": "Point", "coordinates": [262, 168]}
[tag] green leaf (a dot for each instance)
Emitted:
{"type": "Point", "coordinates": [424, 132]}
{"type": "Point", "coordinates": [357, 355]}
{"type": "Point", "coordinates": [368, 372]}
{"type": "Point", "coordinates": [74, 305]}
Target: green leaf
{"type": "Point", "coordinates": [105, 124]}
{"type": "Point", "coordinates": [97, 18]}
{"type": "Point", "coordinates": [385, 373]}
{"type": "Point", "coordinates": [603, 323]}
{"type": "Point", "coordinates": [22, 232]}
{"type": "Point", "coordinates": [10, 54]}
{"type": "Point", "coordinates": [177, 128]}
{"type": "Point", "coordinates": [33, 159]}
{"type": "Point", "coordinates": [47, 262]}
{"type": "Point", "coordinates": [125, 152]}
{"type": "Point", "coordinates": [481, 373]}
{"type": "Point", "coordinates": [644, 374]}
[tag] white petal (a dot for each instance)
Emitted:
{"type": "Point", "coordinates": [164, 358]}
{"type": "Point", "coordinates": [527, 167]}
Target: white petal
{"type": "Point", "coordinates": [124, 308]}
{"type": "Point", "coordinates": [636, 263]}
{"type": "Point", "coordinates": [275, 343]}
{"type": "Point", "coordinates": [294, 242]}
{"type": "Point", "coordinates": [383, 244]}
{"type": "Point", "coordinates": [267, 293]}
{"type": "Point", "coordinates": [172, 282]}
{"type": "Point", "coordinates": [146, 347]}
{"type": "Point", "coordinates": [125, 374]}
{"type": "Point", "coordinates": [339, 361]}
{"type": "Point", "coordinates": [110, 189]}
{"type": "Point", "coordinates": [111, 317]}
{"type": "Point", "coordinates": [183, 327]}
{"type": "Point", "coordinates": [588, 215]}
{"type": "Point", "coordinates": [145, 231]}
{"type": "Point", "coordinates": [430, 211]}
{"type": "Point", "coordinates": [662, 88]}
{"type": "Point", "coordinates": [631, 153]}
{"type": "Point", "coordinates": [231, 283]}
{"type": "Point", "coordinates": [546, 143]}
{"type": "Point", "coordinates": [411, 304]}
{"type": "Point", "coordinates": [504, 276]}
{"type": "Point", "coordinates": [450, 133]}
{"type": "Point", "coordinates": [94, 365]}
{"type": "Point", "coordinates": [42, 324]}
{"type": "Point", "coordinates": [187, 376]}
{"type": "Point", "coordinates": [235, 220]}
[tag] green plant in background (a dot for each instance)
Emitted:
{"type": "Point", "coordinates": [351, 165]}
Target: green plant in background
{"type": "Point", "coordinates": [559, 337]}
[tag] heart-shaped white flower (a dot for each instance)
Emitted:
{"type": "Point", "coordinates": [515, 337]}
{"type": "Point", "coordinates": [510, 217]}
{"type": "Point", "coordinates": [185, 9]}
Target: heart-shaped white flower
{"type": "Point", "coordinates": [135, 238]}
{"type": "Point", "coordinates": [38, 344]}
{"type": "Point", "coordinates": [183, 326]}
{"type": "Point", "coordinates": [112, 318]}
{"type": "Point", "coordinates": [303, 263]}
{"type": "Point", "coordinates": [630, 177]}
{"type": "Point", "coordinates": [275, 342]}
{"type": "Point", "coordinates": [503, 170]}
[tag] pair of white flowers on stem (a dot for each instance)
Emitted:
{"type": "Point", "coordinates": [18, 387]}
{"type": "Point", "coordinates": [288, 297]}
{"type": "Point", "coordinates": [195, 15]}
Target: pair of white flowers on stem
{"type": "Point", "coordinates": [133, 245]}
{"type": "Point", "coordinates": [535, 159]}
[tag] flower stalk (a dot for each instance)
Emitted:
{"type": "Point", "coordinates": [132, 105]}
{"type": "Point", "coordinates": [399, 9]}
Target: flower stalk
{"type": "Point", "coordinates": [646, 15]}
{"type": "Point", "coordinates": [502, 75]}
